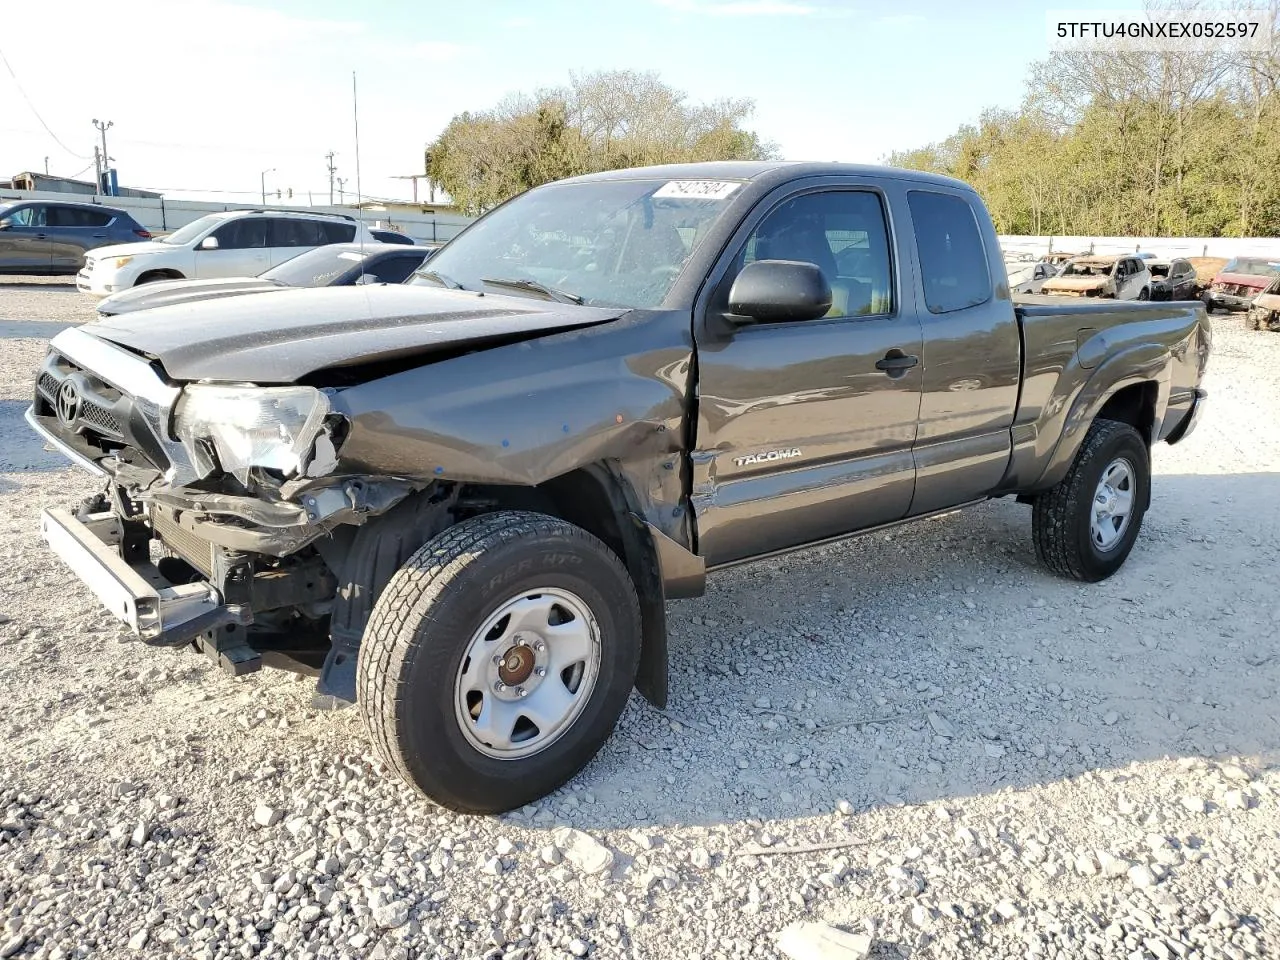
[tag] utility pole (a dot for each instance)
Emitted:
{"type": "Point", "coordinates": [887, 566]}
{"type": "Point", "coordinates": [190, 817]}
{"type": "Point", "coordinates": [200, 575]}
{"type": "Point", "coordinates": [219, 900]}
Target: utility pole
{"type": "Point", "coordinates": [342, 182]}
{"type": "Point", "coordinates": [97, 170]}
{"type": "Point", "coordinates": [46, 166]}
{"type": "Point", "coordinates": [263, 176]}
{"type": "Point", "coordinates": [106, 159]}
{"type": "Point", "coordinates": [332, 171]}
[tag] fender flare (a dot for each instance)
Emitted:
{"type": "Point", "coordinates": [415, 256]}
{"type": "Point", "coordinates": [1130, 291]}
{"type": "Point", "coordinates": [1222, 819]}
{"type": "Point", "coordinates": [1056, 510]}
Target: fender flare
{"type": "Point", "coordinates": [1134, 366]}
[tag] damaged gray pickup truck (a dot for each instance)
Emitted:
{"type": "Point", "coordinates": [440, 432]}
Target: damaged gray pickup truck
{"type": "Point", "coordinates": [462, 502]}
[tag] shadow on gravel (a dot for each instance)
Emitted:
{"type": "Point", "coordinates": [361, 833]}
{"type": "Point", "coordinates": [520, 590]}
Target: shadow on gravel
{"type": "Point", "coordinates": [40, 282]}
{"type": "Point", "coordinates": [33, 329]}
{"type": "Point", "coordinates": [939, 661]}
{"type": "Point", "coordinates": [21, 449]}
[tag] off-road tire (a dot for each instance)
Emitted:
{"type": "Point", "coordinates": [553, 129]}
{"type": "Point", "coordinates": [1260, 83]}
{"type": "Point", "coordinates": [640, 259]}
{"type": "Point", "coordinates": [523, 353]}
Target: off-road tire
{"type": "Point", "coordinates": [419, 632]}
{"type": "Point", "coordinates": [1061, 516]}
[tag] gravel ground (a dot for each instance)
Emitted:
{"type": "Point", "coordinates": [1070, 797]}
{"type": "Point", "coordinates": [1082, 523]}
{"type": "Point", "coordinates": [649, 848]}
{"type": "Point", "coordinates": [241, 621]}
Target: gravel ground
{"type": "Point", "coordinates": [918, 737]}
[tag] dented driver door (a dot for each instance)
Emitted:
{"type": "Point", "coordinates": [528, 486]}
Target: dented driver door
{"type": "Point", "coordinates": [805, 429]}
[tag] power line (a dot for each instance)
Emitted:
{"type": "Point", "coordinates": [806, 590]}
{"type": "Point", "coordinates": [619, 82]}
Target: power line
{"type": "Point", "coordinates": [18, 84]}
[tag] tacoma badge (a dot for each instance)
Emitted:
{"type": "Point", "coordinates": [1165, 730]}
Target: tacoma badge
{"type": "Point", "coordinates": [766, 457]}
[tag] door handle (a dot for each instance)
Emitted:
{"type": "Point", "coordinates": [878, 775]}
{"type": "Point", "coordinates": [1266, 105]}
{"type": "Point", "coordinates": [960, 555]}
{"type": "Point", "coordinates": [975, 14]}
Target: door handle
{"type": "Point", "coordinates": [42, 236]}
{"type": "Point", "coordinates": [896, 363]}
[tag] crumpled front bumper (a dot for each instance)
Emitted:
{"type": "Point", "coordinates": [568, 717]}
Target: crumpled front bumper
{"type": "Point", "coordinates": [160, 613]}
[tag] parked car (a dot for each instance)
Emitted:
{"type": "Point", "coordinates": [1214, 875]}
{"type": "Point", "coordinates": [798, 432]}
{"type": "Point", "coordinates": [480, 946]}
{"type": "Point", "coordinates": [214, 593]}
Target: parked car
{"type": "Point", "coordinates": [1120, 277]}
{"type": "Point", "coordinates": [1264, 312]}
{"type": "Point", "coordinates": [1242, 279]}
{"type": "Point", "coordinates": [1172, 279]}
{"type": "Point", "coordinates": [470, 496]}
{"type": "Point", "coordinates": [52, 236]}
{"type": "Point", "coordinates": [335, 265]}
{"type": "Point", "coordinates": [390, 236]}
{"type": "Point", "coordinates": [238, 243]}
{"type": "Point", "coordinates": [1030, 276]}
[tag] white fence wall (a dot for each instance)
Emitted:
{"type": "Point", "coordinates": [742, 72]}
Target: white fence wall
{"type": "Point", "coordinates": [1268, 247]}
{"type": "Point", "coordinates": [165, 216]}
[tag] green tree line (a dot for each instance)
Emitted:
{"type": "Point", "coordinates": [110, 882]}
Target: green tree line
{"type": "Point", "coordinates": [599, 121]}
{"type": "Point", "coordinates": [1129, 144]}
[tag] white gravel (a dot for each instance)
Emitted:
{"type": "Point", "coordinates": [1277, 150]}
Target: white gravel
{"type": "Point", "coordinates": [919, 738]}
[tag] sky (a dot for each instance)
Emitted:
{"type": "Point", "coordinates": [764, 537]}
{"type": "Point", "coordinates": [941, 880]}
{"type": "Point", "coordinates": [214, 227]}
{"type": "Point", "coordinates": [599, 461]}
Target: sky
{"type": "Point", "coordinates": [206, 95]}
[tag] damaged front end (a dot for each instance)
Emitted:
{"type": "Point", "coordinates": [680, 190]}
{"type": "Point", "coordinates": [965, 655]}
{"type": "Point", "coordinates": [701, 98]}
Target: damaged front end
{"type": "Point", "coordinates": [217, 499]}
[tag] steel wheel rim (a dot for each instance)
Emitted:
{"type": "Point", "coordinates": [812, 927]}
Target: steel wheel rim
{"type": "Point", "coordinates": [527, 673]}
{"type": "Point", "coordinates": [1113, 503]}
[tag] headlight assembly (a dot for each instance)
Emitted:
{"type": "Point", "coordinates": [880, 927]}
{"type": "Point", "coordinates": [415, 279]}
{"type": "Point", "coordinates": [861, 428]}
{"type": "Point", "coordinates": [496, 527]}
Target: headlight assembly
{"type": "Point", "coordinates": [268, 427]}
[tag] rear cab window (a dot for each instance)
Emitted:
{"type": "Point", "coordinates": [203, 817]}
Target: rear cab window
{"type": "Point", "coordinates": [953, 259]}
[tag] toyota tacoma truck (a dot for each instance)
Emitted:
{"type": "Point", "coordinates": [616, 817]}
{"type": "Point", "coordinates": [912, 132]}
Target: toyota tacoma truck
{"type": "Point", "coordinates": [461, 503]}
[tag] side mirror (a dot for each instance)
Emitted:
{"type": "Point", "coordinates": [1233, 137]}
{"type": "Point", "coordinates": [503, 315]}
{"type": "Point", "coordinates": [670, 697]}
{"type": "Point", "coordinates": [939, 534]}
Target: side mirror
{"type": "Point", "coordinates": [774, 291]}
{"type": "Point", "coordinates": [366, 278]}
{"type": "Point", "coordinates": [209, 243]}
{"type": "Point", "coordinates": [5, 224]}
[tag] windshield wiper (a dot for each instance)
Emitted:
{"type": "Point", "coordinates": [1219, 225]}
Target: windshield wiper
{"type": "Point", "coordinates": [523, 283]}
{"type": "Point", "coordinates": [449, 282]}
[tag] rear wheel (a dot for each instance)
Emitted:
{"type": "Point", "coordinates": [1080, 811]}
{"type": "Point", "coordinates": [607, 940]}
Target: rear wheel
{"type": "Point", "coordinates": [1085, 527]}
{"type": "Point", "coordinates": [498, 660]}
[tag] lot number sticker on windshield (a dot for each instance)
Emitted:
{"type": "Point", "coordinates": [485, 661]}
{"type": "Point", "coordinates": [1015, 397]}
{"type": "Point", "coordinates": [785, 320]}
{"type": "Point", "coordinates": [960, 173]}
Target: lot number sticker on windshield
{"type": "Point", "coordinates": [696, 189]}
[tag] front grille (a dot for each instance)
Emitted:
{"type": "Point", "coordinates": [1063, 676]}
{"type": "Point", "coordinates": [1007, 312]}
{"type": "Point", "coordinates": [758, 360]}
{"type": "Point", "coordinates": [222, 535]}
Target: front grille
{"type": "Point", "coordinates": [99, 417]}
{"type": "Point", "coordinates": [47, 385]}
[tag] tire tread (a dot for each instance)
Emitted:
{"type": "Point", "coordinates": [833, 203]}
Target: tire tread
{"type": "Point", "coordinates": [404, 611]}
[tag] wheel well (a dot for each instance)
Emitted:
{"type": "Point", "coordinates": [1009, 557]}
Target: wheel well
{"type": "Point", "coordinates": [598, 499]}
{"type": "Point", "coordinates": [1134, 405]}
{"type": "Point", "coordinates": [159, 275]}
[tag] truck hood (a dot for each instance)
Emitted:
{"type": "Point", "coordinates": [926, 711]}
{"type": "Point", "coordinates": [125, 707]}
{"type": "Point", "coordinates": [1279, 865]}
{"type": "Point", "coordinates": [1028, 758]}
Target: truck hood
{"type": "Point", "coordinates": [162, 293]}
{"type": "Point", "coordinates": [284, 337]}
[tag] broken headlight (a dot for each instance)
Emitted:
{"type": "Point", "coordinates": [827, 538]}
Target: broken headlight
{"type": "Point", "coordinates": [269, 427]}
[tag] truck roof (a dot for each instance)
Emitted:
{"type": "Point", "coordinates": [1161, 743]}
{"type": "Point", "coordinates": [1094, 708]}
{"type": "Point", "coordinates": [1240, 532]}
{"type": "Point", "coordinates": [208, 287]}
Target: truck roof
{"type": "Point", "coordinates": [769, 172]}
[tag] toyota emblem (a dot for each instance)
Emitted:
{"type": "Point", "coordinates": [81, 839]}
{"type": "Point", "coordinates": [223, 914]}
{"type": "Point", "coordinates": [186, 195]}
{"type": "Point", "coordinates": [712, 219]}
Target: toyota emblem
{"type": "Point", "coordinates": [67, 405]}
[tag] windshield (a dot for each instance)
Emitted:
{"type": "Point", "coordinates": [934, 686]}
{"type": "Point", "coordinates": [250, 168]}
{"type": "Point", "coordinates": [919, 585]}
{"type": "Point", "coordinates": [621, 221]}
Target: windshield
{"type": "Point", "coordinates": [193, 229]}
{"type": "Point", "coordinates": [1252, 267]}
{"type": "Point", "coordinates": [611, 242]}
{"type": "Point", "coordinates": [315, 268]}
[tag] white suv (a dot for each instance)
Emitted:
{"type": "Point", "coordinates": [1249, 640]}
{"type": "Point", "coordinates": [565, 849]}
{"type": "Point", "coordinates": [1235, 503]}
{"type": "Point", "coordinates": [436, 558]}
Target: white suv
{"type": "Point", "coordinates": [238, 243]}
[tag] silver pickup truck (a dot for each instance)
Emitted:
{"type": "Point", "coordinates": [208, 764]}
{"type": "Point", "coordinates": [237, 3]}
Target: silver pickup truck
{"type": "Point", "coordinates": [464, 501]}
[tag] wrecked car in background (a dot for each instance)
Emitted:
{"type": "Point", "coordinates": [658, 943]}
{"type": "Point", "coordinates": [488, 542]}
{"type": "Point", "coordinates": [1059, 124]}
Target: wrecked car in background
{"type": "Point", "coordinates": [1117, 276]}
{"type": "Point", "coordinates": [1264, 312]}
{"type": "Point", "coordinates": [1239, 281]}
{"type": "Point", "coordinates": [1029, 276]}
{"type": "Point", "coordinates": [1172, 279]}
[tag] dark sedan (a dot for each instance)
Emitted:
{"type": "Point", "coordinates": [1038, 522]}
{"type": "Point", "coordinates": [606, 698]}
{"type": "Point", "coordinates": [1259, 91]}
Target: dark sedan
{"type": "Point", "coordinates": [335, 265]}
{"type": "Point", "coordinates": [51, 237]}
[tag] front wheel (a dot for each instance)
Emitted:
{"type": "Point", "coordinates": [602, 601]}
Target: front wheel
{"type": "Point", "coordinates": [498, 660]}
{"type": "Point", "coordinates": [1085, 527]}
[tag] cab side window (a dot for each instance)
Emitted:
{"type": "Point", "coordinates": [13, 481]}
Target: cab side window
{"type": "Point", "coordinates": [953, 261]}
{"type": "Point", "coordinates": [395, 269]}
{"type": "Point", "coordinates": [243, 234]}
{"type": "Point", "coordinates": [33, 216]}
{"type": "Point", "coordinates": [844, 234]}
{"type": "Point", "coordinates": [288, 232]}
